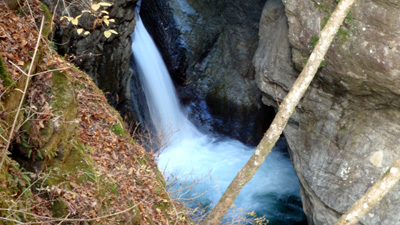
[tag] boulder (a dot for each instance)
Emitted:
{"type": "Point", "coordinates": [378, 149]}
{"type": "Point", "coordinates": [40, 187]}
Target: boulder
{"type": "Point", "coordinates": [343, 135]}
{"type": "Point", "coordinates": [106, 60]}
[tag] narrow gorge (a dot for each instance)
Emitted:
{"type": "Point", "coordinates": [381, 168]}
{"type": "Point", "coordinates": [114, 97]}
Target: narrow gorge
{"type": "Point", "coordinates": [201, 81]}
{"type": "Point", "coordinates": [342, 137]}
{"type": "Point", "coordinates": [207, 161]}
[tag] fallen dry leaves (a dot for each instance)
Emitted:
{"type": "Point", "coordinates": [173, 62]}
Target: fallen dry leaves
{"type": "Point", "coordinates": [118, 161]}
{"type": "Point", "coordinates": [18, 33]}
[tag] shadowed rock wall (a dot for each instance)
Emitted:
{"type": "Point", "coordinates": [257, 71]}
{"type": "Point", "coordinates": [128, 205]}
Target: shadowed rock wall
{"type": "Point", "coordinates": [106, 60]}
{"type": "Point", "coordinates": [208, 47]}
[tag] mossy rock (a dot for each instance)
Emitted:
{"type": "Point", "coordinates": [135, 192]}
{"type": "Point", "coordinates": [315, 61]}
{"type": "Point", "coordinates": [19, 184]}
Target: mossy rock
{"type": "Point", "coordinates": [48, 20]}
{"type": "Point", "coordinates": [77, 160]}
{"type": "Point", "coordinates": [4, 75]}
{"type": "Point", "coordinates": [54, 139]}
{"type": "Point", "coordinates": [14, 184]}
{"type": "Point", "coordinates": [118, 129]}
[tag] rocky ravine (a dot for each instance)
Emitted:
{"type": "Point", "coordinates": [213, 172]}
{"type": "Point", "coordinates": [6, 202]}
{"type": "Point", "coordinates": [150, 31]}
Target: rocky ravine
{"type": "Point", "coordinates": [344, 134]}
{"type": "Point", "coordinates": [209, 46]}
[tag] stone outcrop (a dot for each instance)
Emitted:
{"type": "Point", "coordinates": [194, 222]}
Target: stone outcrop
{"type": "Point", "coordinates": [106, 60]}
{"type": "Point", "coordinates": [208, 46]}
{"type": "Point", "coordinates": [343, 135]}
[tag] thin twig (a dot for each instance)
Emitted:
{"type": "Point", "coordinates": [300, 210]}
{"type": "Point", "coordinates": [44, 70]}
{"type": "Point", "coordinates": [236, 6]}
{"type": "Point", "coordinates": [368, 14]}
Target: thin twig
{"type": "Point", "coordinates": [4, 154]}
{"type": "Point", "coordinates": [31, 12]}
{"type": "Point", "coordinates": [27, 189]}
{"type": "Point", "coordinates": [54, 14]}
{"type": "Point", "coordinates": [48, 71]}
{"type": "Point", "coordinates": [19, 68]}
{"type": "Point", "coordinates": [12, 220]}
{"type": "Point", "coordinates": [52, 219]}
{"type": "Point", "coordinates": [36, 74]}
{"type": "Point", "coordinates": [1, 136]}
{"type": "Point", "coordinates": [276, 96]}
{"type": "Point", "coordinates": [66, 217]}
{"type": "Point", "coordinates": [12, 85]}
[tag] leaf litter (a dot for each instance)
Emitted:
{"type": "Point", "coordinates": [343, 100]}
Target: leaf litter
{"type": "Point", "coordinates": [135, 193]}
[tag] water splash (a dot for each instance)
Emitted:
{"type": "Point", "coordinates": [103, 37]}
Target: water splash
{"type": "Point", "coordinates": [192, 155]}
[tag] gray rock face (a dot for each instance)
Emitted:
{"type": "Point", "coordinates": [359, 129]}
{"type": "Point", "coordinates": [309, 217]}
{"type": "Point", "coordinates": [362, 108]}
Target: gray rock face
{"type": "Point", "coordinates": [343, 135]}
{"type": "Point", "coordinates": [106, 60]}
{"type": "Point", "coordinates": [210, 44]}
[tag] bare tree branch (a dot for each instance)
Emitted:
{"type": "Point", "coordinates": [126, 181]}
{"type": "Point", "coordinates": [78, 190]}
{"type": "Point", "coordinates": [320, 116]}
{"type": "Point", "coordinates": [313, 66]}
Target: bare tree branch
{"type": "Point", "coordinates": [286, 109]}
{"type": "Point", "coordinates": [11, 135]}
{"type": "Point", "coordinates": [372, 197]}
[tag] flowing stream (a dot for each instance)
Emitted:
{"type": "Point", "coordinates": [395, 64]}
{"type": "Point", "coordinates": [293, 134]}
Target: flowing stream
{"type": "Point", "coordinates": [192, 157]}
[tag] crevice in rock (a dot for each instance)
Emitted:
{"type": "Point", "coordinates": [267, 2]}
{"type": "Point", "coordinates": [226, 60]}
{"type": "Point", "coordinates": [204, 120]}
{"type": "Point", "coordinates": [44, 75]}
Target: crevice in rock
{"type": "Point", "coordinates": [158, 19]}
{"type": "Point", "coordinates": [24, 157]}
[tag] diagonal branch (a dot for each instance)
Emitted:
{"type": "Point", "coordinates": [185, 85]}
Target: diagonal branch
{"type": "Point", "coordinates": [11, 135]}
{"type": "Point", "coordinates": [286, 109]}
{"type": "Point", "coordinates": [372, 197]}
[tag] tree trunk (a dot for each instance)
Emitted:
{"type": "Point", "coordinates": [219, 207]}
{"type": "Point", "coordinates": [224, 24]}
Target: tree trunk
{"type": "Point", "coordinates": [372, 197]}
{"type": "Point", "coordinates": [285, 111]}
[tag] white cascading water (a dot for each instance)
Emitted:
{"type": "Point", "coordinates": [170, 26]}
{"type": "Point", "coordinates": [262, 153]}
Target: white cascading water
{"type": "Point", "coordinates": [192, 155]}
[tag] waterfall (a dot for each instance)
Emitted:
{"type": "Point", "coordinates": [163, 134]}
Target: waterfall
{"type": "Point", "coordinates": [192, 156]}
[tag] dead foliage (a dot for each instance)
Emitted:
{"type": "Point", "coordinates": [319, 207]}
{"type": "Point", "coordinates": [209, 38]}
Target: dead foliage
{"type": "Point", "coordinates": [125, 186]}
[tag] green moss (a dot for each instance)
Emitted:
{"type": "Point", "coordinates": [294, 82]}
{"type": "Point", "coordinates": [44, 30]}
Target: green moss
{"type": "Point", "coordinates": [349, 20]}
{"type": "Point", "coordinates": [141, 161]}
{"type": "Point", "coordinates": [14, 184]}
{"type": "Point", "coordinates": [164, 206]}
{"type": "Point", "coordinates": [322, 64]}
{"type": "Point", "coordinates": [46, 12]}
{"type": "Point", "coordinates": [325, 8]}
{"type": "Point", "coordinates": [114, 188]}
{"type": "Point", "coordinates": [325, 21]}
{"type": "Point", "coordinates": [4, 75]}
{"type": "Point", "coordinates": [218, 99]}
{"type": "Point", "coordinates": [79, 159]}
{"type": "Point", "coordinates": [135, 211]}
{"type": "Point", "coordinates": [158, 191]}
{"type": "Point", "coordinates": [343, 35]}
{"type": "Point", "coordinates": [342, 129]}
{"type": "Point", "coordinates": [54, 138]}
{"type": "Point", "coordinates": [63, 89]}
{"type": "Point", "coordinates": [48, 20]}
{"type": "Point", "coordinates": [78, 162]}
{"type": "Point", "coordinates": [59, 208]}
{"type": "Point", "coordinates": [314, 41]}
{"type": "Point", "coordinates": [118, 129]}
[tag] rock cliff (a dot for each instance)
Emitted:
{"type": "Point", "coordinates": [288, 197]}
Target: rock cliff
{"type": "Point", "coordinates": [208, 46]}
{"type": "Point", "coordinates": [343, 135]}
{"type": "Point", "coordinates": [106, 60]}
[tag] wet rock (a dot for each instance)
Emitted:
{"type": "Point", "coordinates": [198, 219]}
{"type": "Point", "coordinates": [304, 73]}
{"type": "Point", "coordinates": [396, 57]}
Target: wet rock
{"type": "Point", "coordinates": [208, 46]}
{"type": "Point", "coordinates": [343, 135]}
